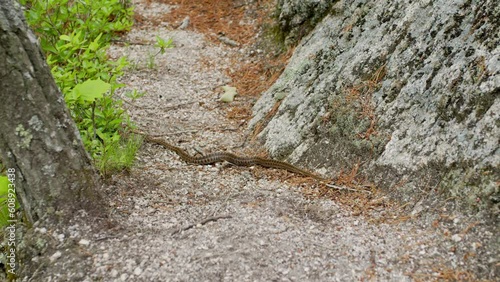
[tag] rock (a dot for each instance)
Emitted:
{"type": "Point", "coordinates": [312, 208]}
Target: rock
{"type": "Point", "coordinates": [84, 242]}
{"type": "Point", "coordinates": [137, 271]}
{"type": "Point", "coordinates": [456, 238]}
{"type": "Point", "coordinates": [113, 273]}
{"type": "Point", "coordinates": [55, 256]}
{"type": "Point", "coordinates": [297, 17]}
{"type": "Point", "coordinates": [409, 88]}
{"type": "Point", "coordinates": [185, 23]}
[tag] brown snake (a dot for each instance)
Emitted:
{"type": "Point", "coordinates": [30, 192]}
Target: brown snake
{"type": "Point", "coordinates": [231, 158]}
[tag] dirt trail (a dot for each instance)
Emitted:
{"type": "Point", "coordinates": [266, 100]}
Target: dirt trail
{"type": "Point", "coordinates": [180, 222]}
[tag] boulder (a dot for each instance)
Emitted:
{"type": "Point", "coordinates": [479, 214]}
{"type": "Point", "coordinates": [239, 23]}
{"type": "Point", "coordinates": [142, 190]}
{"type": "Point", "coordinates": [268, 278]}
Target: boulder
{"type": "Point", "coordinates": [408, 91]}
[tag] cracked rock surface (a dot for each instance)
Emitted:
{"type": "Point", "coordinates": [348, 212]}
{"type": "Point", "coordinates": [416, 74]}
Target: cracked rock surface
{"type": "Point", "coordinates": [409, 88]}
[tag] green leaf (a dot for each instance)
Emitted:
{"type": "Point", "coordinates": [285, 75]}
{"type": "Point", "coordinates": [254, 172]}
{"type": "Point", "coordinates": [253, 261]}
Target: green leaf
{"type": "Point", "coordinates": [102, 135]}
{"type": "Point", "coordinates": [162, 44]}
{"type": "Point", "coordinates": [4, 185]}
{"type": "Point", "coordinates": [91, 90]}
{"type": "Point", "coordinates": [4, 200]}
{"type": "Point", "coordinates": [94, 45]}
{"type": "Point", "coordinates": [65, 37]}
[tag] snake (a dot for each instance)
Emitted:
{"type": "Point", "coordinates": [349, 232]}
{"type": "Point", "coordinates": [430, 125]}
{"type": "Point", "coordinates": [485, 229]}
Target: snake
{"type": "Point", "coordinates": [231, 158]}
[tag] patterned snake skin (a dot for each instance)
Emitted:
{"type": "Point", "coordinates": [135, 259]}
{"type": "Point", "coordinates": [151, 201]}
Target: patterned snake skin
{"type": "Point", "coordinates": [231, 158]}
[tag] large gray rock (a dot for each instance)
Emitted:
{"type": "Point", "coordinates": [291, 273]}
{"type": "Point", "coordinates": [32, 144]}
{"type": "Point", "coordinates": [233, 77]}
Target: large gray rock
{"type": "Point", "coordinates": [408, 89]}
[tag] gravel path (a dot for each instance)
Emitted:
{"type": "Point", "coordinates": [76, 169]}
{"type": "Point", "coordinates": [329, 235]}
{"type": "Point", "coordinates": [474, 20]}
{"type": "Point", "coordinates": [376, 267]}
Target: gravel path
{"type": "Point", "coordinates": [180, 222]}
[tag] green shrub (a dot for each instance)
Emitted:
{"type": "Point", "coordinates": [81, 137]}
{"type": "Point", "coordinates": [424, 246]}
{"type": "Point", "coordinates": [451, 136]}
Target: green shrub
{"type": "Point", "coordinates": [8, 202]}
{"type": "Point", "coordinates": [75, 36]}
{"type": "Point", "coordinates": [52, 18]}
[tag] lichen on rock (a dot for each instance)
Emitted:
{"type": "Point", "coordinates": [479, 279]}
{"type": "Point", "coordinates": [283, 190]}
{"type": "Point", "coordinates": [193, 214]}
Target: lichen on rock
{"type": "Point", "coordinates": [25, 135]}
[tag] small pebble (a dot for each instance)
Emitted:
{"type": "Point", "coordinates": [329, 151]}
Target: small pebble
{"type": "Point", "coordinates": [55, 256]}
{"type": "Point", "coordinates": [456, 238]}
{"type": "Point", "coordinates": [114, 273]}
{"type": "Point", "coordinates": [84, 242]}
{"type": "Point", "coordinates": [137, 271]}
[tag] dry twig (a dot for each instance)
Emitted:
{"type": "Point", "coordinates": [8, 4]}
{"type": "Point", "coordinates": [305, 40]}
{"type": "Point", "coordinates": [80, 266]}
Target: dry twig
{"type": "Point", "coordinates": [203, 222]}
{"type": "Point", "coordinates": [347, 188]}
